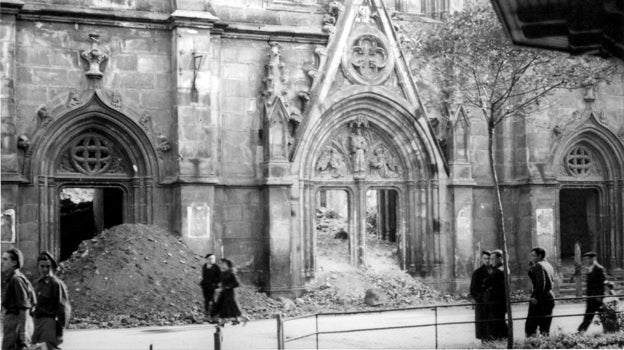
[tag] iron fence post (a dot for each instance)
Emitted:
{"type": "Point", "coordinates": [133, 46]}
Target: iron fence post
{"type": "Point", "coordinates": [218, 337]}
{"type": "Point", "coordinates": [317, 334]}
{"type": "Point", "coordinates": [435, 309]}
{"type": "Point", "coordinates": [280, 332]}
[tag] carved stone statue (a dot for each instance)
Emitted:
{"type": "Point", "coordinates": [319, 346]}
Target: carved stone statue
{"type": "Point", "coordinates": [383, 163]}
{"type": "Point", "coordinates": [331, 162]}
{"type": "Point", "coordinates": [359, 146]}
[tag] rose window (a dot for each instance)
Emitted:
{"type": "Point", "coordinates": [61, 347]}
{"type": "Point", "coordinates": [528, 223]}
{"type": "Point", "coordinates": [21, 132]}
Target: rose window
{"type": "Point", "coordinates": [91, 154]}
{"type": "Point", "coordinates": [579, 161]}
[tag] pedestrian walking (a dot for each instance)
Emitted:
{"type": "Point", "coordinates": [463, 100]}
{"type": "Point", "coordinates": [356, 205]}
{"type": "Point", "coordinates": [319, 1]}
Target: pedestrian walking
{"type": "Point", "coordinates": [595, 288]}
{"type": "Point", "coordinates": [477, 289]}
{"type": "Point", "coordinates": [494, 298]}
{"type": "Point", "coordinates": [542, 303]}
{"type": "Point", "coordinates": [227, 307]}
{"type": "Point", "coordinates": [211, 273]}
{"type": "Point", "coordinates": [18, 300]}
{"type": "Point", "coordinates": [53, 309]}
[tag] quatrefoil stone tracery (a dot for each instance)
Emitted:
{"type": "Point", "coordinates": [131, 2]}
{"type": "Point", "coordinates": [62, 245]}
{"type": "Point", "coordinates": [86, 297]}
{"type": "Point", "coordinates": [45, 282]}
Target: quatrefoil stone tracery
{"type": "Point", "coordinates": [367, 59]}
{"type": "Point", "coordinates": [368, 56]}
{"type": "Point", "coordinates": [579, 161]}
{"type": "Point", "coordinates": [91, 154]}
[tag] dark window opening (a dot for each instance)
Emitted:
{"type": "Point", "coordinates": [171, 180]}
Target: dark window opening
{"type": "Point", "coordinates": [85, 212]}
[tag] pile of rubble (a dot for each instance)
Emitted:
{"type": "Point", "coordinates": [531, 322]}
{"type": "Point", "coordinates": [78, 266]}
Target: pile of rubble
{"type": "Point", "coordinates": [140, 275]}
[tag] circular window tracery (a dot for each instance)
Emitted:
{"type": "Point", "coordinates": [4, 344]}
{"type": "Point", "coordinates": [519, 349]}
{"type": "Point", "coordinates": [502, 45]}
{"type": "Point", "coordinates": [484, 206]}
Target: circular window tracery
{"type": "Point", "coordinates": [91, 154]}
{"type": "Point", "coordinates": [367, 58]}
{"type": "Point", "coordinates": [579, 161]}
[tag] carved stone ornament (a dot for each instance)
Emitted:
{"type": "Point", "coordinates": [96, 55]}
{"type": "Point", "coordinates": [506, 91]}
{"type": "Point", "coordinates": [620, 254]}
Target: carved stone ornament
{"type": "Point", "coordinates": [92, 154]}
{"type": "Point", "coordinates": [45, 118]}
{"type": "Point", "coordinates": [330, 19]}
{"type": "Point", "coordinates": [383, 164]}
{"type": "Point", "coordinates": [368, 59]}
{"type": "Point", "coordinates": [95, 56]}
{"type": "Point", "coordinates": [579, 162]}
{"type": "Point", "coordinates": [73, 99]}
{"type": "Point", "coordinates": [163, 144]}
{"type": "Point", "coordinates": [115, 98]}
{"type": "Point", "coordinates": [23, 142]}
{"type": "Point", "coordinates": [146, 121]}
{"type": "Point", "coordinates": [275, 78]}
{"type": "Point", "coordinates": [331, 163]}
{"type": "Point", "coordinates": [358, 151]}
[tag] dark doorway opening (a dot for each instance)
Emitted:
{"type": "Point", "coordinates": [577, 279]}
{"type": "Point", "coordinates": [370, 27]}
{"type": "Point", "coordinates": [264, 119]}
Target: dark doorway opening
{"type": "Point", "coordinates": [382, 241]}
{"type": "Point", "coordinates": [578, 217]}
{"type": "Point", "coordinates": [85, 212]}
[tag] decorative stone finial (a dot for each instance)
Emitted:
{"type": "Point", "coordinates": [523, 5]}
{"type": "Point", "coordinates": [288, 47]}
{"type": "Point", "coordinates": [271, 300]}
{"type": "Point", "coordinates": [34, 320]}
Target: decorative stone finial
{"type": "Point", "coordinates": [95, 56]}
{"type": "Point", "coordinates": [275, 77]}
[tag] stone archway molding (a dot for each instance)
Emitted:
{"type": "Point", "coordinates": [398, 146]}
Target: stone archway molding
{"type": "Point", "coordinates": [70, 112]}
{"type": "Point", "coordinates": [603, 142]}
{"type": "Point", "coordinates": [410, 133]}
{"type": "Point", "coordinates": [597, 142]}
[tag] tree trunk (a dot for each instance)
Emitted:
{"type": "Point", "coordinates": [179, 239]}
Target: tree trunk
{"type": "Point", "coordinates": [503, 237]}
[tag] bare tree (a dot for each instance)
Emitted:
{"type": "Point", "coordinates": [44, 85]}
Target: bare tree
{"type": "Point", "coordinates": [475, 64]}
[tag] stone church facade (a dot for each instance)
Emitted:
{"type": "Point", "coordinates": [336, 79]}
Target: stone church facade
{"type": "Point", "coordinates": [222, 121]}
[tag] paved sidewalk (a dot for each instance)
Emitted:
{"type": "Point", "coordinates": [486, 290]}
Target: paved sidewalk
{"type": "Point", "coordinates": [262, 334]}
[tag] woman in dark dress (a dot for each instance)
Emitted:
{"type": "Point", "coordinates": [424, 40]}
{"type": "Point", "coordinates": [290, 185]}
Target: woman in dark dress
{"type": "Point", "coordinates": [227, 307]}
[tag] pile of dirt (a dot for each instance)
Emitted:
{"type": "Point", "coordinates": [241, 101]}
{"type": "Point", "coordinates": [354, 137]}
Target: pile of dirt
{"type": "Point", "coordinates": [140, 275]}
{"type": "Point", "coordinates": [133, 275]}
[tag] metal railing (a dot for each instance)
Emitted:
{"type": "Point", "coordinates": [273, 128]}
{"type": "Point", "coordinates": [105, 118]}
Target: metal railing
{"type": "Point", "coordinates": [281, 321]}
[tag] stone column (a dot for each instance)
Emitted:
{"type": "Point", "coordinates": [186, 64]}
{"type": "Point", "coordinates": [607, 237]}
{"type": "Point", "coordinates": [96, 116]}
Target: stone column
{"type": "Point", "coordinates": [360, 223]}
{"type": "Point", "coordinates": [278, 240]}
{"type": "Point", "coordinates": [425, 248]}
{"type": "Point", "coordinates": [194, 75]}
{"type": "Point", "coordinates": [8, 112]}
{"type": "Point", "coordinates": [620, 221]}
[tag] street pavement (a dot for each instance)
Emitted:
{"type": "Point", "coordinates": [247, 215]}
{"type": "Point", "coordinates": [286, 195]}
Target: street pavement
{"type": "Point", "coordinates": [261, 334]}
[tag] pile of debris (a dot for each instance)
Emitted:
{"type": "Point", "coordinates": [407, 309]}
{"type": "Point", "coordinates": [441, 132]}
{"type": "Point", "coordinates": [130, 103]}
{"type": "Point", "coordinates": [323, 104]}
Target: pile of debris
{"type": "Point", "coordinates": [140, 275]}
{"type": "Point", "coordinates": [133, 275]}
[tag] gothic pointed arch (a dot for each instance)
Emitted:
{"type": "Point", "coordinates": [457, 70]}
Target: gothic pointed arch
{"type": "Point", "coordinates": [368, 138]}
{"type": "Point", "coordinates": [592, 151]}
{"type": "Point", "coordinates": [590, 159]}
{"type": "Point", "coordinates": [96, 117]}
{"type": "Point", "coordinates": [387, 116]}
{"type": "Point", "coordinates": [94, 139]}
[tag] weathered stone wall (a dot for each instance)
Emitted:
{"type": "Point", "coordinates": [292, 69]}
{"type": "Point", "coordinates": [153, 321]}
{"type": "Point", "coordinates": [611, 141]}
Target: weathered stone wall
{"type": "Point", "coordinates": [239, 225]}
{"type": "Point", "coordinates": [48, 64]}
{"type": "Point", "coordinates": [110, 5]}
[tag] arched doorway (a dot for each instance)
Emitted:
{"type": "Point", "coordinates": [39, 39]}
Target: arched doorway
{"type": "Point", "coordinates": [367, 144]}
{"type": "Point", "coordinates": [94, 167]}
{"type": "Point", "coordinates": [590, 169]}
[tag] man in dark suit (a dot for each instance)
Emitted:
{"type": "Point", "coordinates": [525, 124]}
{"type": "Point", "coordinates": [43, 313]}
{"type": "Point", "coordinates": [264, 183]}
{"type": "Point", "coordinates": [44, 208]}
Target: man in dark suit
{"type": "Point", "coordinates": [542, 275]}
{"type": "Point", "coordinates": [595, 288]}
{"type": "Point", "coordinates": [495, 299]}
{"type": "Point", "coordinates": [211, 276]}
{"type": "Point", "coordinates": [476, 292]}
